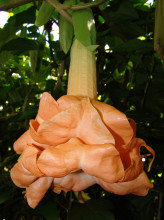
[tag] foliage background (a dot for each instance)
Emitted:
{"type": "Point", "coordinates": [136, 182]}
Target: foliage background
{"type": "Point", "coordinates": [130, 77]}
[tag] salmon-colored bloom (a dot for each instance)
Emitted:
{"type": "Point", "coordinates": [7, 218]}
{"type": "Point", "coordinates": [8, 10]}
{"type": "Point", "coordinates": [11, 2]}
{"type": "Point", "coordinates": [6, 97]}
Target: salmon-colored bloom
{"type": "Point", "coordinates": [77, 142]}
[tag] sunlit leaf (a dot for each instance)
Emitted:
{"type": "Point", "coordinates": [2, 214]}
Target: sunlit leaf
{"type": "Point", "coordinates": [84, 26]}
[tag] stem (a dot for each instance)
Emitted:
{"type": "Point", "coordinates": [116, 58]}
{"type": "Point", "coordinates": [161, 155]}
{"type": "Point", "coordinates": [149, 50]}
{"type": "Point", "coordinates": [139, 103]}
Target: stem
{"type": "Point", "coordinates": [61, 73]}
{"type": "Point", "coordinates": [160, 206]}
{"type": "Point", "coordinates": [51, 50]}
{"type": "Point", "coordinates": [26, 99]}
{"type": "Point", "coordinates": [147, 85]}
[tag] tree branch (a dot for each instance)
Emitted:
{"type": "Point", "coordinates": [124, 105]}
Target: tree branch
{"type": "Point", "coordinates": [10, 4]}
{"type": "Point", "coordinates": [55, 3]}
{"type": "Point", "coordinates": [61, 9]}
{"type": "Point", "coordinates": [86, 5]}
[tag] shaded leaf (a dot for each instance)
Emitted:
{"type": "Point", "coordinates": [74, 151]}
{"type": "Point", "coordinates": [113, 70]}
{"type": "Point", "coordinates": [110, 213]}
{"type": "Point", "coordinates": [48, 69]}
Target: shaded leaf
{"type": "Point", "coordinates": [22, 44]}
{"type": "Point", "coordinates": [125, 11]}
{"type": "Point", "coordinates": [135, 45]}
{"type": "Point", "coordinates": [4, 196]}
{"type": "Point", "coordinates": [143, 206]}
{"type": "Point", "coordinates": [27, 16]}
{"type": "Point", "coordinates": [44, 14]}
{"type": "Point", "coordinates": [66, 33]}
{"type": "Point", "coordinates": [94, 209]}
{"type": "Point", "coordinates": [48, 210]}
{"type": "Point", "coordinates": [4, 57]}
{"type": "Point", "coordinates": [8, 32]}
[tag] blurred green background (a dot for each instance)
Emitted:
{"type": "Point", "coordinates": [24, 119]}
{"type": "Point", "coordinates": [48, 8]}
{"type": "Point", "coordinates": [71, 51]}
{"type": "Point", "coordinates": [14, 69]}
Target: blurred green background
{"type": "Point", "coordinates": [130, 77]}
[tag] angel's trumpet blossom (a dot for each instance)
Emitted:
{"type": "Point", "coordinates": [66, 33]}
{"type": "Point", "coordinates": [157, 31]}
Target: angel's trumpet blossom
{"type": "Point", "coordinates": [77, 141]}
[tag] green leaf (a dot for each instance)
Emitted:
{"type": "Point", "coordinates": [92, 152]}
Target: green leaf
{"type": "Point", "coordinates": [4, 57]}
{"type": "Point", "coordinates": [66, 34]}
{"type": "Point", "coordinates": [22, 8]}
{"type": "Point", "coordinates": [35, 59]}
{"type": "Point", "coordinates": [66, 30]}
{"type": "Point", "coordinates": [5, 196]}
{"type": "Point", "coordinates": [44, 14]}
{"type": "Point", "coordinates": [27, 16]}
{"type": "Point", "coordinates": [8, 32]}
{"type": "Point", "coordinates": [84, 26]}
{"type": "Point", "coordinates": [92, 48]}
{"type": "Point", "coordinates": [48, 210]}
{"type": "Point", "coordinates": [135, 45]}
{"type": "Point", "coordinates": [131, 29]}
{"type": "Point", "coordinates": [22, 44]}
{"type": "Point", "coordinates": [125, 11]}
{"type": "Point", "coordinates": [94, 209]}
{"type": "Point", "coordinates": [104, 5]}
{"type": "Point", "coordinates": [143, 206]}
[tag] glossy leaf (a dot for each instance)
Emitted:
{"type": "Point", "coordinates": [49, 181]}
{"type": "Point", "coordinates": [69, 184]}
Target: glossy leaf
{"type": "Point", "coordinates": [84, 26]}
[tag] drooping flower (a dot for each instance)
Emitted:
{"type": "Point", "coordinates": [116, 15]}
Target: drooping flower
{"type": "Point", "coordinates": [76, 142]}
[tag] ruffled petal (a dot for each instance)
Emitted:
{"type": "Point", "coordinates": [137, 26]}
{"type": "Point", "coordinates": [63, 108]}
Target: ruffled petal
{"type": "Point", "coordinates": [36, 191]}
{"type": "Point", "coordinates": [102, 161]}
{"type": "Point", "coordinates": [91, 129]}
{"type": "Point", "coordinates": [66, 101]}
{"type": "Point", "coordinates": [59, 128]}
{"type": "Point", "coordinates": [21, 143]}
{"type": "Point", "coordinates": [74, 181]}
{"type": "Point", "coordinates": [29, 159]}
{"type": "Point", "coordinates": [139, 186]}
{"type": "Point", "coordinates": [21, 176]}
{"type": "Point", "coordinates": [25, 140]}
{"type": "Point", "coordinates": [61, 160]}
{"type": "Point", "coordinates": [131, 158]}
{"type": "Point", "coordinates": [116, 122]}
{"type": "Point", "coordinates": [85, 124]}
{"type": "Point", "coordinates": [48, 107]}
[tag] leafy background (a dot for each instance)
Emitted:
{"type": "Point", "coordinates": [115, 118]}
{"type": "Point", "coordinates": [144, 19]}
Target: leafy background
{"type": "Point", "coordinates": [130, 77]}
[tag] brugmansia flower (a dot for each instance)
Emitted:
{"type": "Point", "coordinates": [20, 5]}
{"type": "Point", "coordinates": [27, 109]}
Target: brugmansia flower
{"type": "Point", "coordinates": [76, 141]}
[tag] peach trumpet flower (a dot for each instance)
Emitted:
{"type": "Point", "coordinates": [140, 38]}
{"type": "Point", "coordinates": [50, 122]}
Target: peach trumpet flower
{"type": "Point", "coordinates": [76, 142]}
